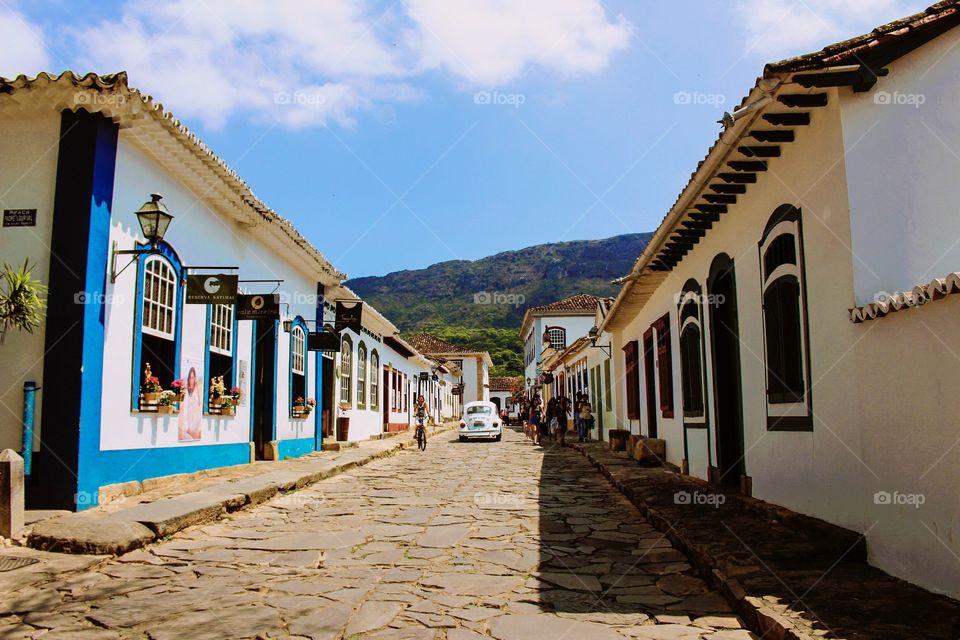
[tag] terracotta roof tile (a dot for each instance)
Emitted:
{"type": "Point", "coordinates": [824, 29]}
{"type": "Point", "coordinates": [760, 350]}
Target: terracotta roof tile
{"type": "Point", "coordinates": [918, 296]}
{"type": "Point", "coordinates": [502, 384]}
{"type": "Point", "coordinates": [578, 302]}
{"type": "Point", "coordinates": [430, 344]}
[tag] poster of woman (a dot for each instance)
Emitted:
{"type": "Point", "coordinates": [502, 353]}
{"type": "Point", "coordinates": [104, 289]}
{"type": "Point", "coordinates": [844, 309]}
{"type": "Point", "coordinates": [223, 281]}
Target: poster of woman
{"type": "Point", "coordinates": [191, 407]}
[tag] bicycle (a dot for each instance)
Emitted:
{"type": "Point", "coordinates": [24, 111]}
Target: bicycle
{"type": "Point", "coordinates": [421, 433]}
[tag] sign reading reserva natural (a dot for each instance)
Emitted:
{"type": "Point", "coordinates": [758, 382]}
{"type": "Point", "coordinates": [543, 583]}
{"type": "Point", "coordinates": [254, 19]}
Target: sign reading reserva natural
{"type": "Point", "coordinates": [212, 289]}
{"type": "Point", "coordinates": [258, 307]}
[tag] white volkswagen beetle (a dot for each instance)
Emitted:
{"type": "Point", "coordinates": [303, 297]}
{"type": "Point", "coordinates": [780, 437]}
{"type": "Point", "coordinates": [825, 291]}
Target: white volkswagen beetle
{"type": "Point", "coordinates": [480, 420]}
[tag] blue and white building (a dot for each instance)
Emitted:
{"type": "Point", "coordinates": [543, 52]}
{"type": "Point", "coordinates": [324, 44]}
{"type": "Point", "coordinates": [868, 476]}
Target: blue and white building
{"type": "Point", "coordinates": [81, 155]}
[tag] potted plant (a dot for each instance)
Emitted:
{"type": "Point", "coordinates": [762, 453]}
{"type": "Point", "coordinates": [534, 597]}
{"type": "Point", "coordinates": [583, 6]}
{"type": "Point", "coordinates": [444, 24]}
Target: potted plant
{"type": "Point", "coordinates": [177, 386]}
{"type": "Point", "coordinates": [22, 300]}
{"type": "Point", "coordinates": [228, 406]}
{"type": "Point", "coordinates": [165, 401]}
{"type": "Point", "coordinates": [299, 410]}
{"type": "Point", "coordinates": [150, 389]}
{"type": "Point", "coordinates": [309, 406]}
{"type": "Point", "coordinates": [217, 391]}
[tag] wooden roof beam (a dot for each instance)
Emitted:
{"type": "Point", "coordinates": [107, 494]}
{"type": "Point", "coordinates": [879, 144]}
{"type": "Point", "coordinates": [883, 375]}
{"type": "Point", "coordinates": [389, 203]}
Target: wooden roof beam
{"type": "Point", "coordinates": [738, 178]}
{"type": "Point", "coordinates": [728, 188]}
{"type": "Point", "coordinates": [711, 208]}
{"type": "Point", "coordinates": [803, 99]}
{"type": "Point", "coordinates": [772, 135]}
{"type": "Point", "coordinates": [799, 119]}
{"type": "Point", "coordinates": [760, 151]}
{"type": "Point", "coordinates": [719, 198]}
{"type": "Point", "coordinates": [748, 165]}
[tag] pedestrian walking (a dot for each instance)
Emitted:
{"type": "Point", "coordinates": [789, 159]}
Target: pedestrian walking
{"type": "Point", "coordinates": [585, 415]}
{"type": "Point", "coordinates": [535, 426]}
{"type": "Point", "coordinates": [562, 412]}
{"type": "Point", "coordinates": [553, 418]}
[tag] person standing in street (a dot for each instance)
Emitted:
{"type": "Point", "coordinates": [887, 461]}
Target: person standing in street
{"type": "Point", "coordinates": [562, 414]}
{"type": "Point", "coordinates": [585, 417]}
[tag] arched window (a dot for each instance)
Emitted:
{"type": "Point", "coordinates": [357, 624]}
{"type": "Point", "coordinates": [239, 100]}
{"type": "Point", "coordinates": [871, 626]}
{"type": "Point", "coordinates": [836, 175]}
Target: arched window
{"type": "Point", "coordinates": [346, 370]}
{"type": "Point", "coordinates": [298, 362]}
{"type": "Point", "coordinates": [557, 336]}
{"type": "Point", "coordinates": [157, 324]}
{"type": "Point", "coordinates": [361, 375]}
{"type": "Point", "coordinates": [691, 353]}
{"type": "Point", "coordinates": [785, 322]}
{"type": "Point", "coordinates": [221, 345]}
{"type": "Point", "coordinates": [374, 380]}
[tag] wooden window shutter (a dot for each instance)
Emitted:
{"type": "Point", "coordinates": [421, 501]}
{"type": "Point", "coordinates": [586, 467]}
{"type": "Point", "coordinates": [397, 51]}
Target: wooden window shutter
{"type": "Point", "coordinates": [632, 365]}
{"type": "Point", "coordinates": [664, 366]}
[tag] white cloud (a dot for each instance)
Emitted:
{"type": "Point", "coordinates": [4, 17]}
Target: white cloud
{"type": "Point", "coordinates": [492, 42]}
{"type": "Point", "coordinates": [21, 46]}
{"type": "Point", "coordinates": [779, 28]}
{"type": "Point", "coordinates": [311, 63]}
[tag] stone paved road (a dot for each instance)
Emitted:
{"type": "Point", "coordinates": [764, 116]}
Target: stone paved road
{"type": "Point", "coordinates": [463, 541]}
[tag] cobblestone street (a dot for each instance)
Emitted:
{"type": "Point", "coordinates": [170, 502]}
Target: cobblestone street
{"type": "Point", "coordinates": [464, 540]}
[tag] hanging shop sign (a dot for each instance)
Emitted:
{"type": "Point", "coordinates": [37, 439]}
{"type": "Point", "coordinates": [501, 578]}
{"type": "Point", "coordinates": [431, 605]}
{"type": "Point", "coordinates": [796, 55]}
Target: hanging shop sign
{"type": "Point", "coordinates": [349, 316]}
{"type": "Point", "coordinates": [258, 307]}
{"type": "Point", "coordinates": [19, 217]}
{"type": "Point", "coordinates": [212, 289]}
{"type": "Point", "coordinates": [546, 378]}
{"type": "Point", "coordinates": [325, 341]}
{"type": "Point", "coordinates": [456, 390]}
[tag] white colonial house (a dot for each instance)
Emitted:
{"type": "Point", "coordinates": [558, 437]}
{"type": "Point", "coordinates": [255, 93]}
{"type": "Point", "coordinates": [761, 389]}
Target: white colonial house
{"type": "Point", "coordinates": [79, 160]}
{"type": "Point", "coordinates": [501, 393]}
{"type": "Point", "coordinates": [553, 326]}
{"type": "Point", "coordinates": [789, 330]}
{"type": "Point", "coordinates": [585, 368]}
{"type": "Point", "coordinates": [473, 365]}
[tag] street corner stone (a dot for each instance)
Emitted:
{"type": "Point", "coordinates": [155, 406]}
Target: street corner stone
{"type": "Point", "coordinates": [681, 585]}
{"type": "Point", "coordinates": [170, 515]}
{"type": "Point", "coordinates": [372, 615]}
{"type": "Point", "coordinates": [536, 627]}
{"type": "Point", "coordinates": [93, 534]}
{"type": "Point", "coordinates": [571, 581]}
{"type": "Point", "coordinates": [668, 632]}
{"type": "Point", "coordinates": [321, 624]}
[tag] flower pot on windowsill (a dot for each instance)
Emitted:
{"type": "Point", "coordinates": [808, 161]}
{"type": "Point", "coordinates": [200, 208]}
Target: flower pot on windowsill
{"type": "Point", "coordinates": [166, 408]}
{"type": "Point", "coordinates": [215, 403]}
{"type": "Point", "coordinates": [178, 397]}
{"type": "Point", "coordinates": [298, 412]}
{"type": "Point", "coordinates": [228, 411]}
{"type": "Point", "coordinates": [150, 397]}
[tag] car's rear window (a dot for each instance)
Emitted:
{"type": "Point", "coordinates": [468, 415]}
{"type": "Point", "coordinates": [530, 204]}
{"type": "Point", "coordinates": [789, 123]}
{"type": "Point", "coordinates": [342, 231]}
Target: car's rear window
{"type": "Point", "coordinates": [481, 410]}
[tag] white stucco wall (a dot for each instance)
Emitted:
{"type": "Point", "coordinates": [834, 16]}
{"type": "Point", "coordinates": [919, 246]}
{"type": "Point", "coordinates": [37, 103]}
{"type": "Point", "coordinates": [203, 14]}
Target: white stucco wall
{"type": "Point", "coordinates": [883, 419]}
{"type": "Point", "coordinates": [200, 236]}
{"type": "Point", "coordinates": [28, 169]}
{"type": "Point", "coordinates": [902, 142]}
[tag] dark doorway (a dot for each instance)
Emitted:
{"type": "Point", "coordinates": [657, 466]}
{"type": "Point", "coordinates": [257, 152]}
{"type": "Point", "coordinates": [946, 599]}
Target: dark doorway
{"type": "Point", "coordinates": [725, 352]}
{"type": "Point", "coordinates": [649, 375]}
{"type": "Point", "coordinates": [386, 400]}
{"type": "Point", "coordinates": [264, 384]}
{"type": "Point", "coordinates": [496, 402]}
{"type": "Point", "coordinates": [326, 371]}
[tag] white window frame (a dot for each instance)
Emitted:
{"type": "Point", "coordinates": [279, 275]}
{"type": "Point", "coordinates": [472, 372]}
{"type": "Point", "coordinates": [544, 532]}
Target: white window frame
{"type": "Point", "coordinates": [346, 370]}
{"type": "Point", "coordinates": [793, 229]}
{"type": "Point", "coordinates": [159, 312]}
{"type": "Point", "coordinates": [298, 354]}
{"type": "Point", "coordinates": [221, 329]}
{"type": "Point", "coordinates": [563, 337]}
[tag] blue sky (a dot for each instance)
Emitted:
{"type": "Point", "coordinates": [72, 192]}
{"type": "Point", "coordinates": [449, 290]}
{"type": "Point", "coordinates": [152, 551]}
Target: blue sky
{"type": "Point", "coordinates": [397, 135]}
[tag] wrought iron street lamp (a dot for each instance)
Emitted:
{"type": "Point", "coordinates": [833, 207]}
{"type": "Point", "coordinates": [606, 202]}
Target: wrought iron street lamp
{"type": "Point", "coordinates": [154, 221]}
{"type": "Point", "coordinates": [594, 334]}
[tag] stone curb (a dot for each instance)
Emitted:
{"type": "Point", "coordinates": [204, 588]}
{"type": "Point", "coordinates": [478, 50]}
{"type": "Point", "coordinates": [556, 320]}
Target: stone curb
{"type": "Point", "coordinates": [759, 617]}
{"type": "Point", "coordinates": [128, 529]}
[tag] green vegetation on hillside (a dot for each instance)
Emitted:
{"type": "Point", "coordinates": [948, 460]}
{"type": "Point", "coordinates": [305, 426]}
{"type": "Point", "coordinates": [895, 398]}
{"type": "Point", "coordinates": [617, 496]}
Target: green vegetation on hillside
{"type": "Point", "coordinates": [480, 304]}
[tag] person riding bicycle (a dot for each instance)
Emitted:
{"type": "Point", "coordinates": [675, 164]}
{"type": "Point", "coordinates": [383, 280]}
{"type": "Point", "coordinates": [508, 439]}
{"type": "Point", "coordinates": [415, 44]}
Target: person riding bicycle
{"type": "Point", "coordinates": [420, 409]}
